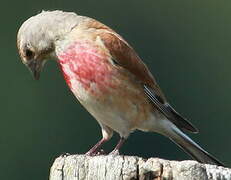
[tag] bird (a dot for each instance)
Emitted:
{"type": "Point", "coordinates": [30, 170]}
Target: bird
{"type": "Point", "coordinates": [108, 78]}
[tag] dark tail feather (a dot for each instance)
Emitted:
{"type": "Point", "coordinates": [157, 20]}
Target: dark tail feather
{"type": "Point", "coordinates": [192, 148]}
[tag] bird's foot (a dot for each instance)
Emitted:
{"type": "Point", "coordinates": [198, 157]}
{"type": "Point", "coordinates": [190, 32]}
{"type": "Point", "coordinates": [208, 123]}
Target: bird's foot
{"type": "Point", "coordinates": [94, 150]}
{"type": "Point", "coordinates": [101, 152]}
{"type": "Point", "coordinates": [95, 153]}
{"type": "Point", "coordinates": [115, 152]}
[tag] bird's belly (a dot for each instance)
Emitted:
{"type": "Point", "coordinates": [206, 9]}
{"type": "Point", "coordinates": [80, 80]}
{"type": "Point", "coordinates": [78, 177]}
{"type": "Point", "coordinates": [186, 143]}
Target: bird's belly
{"type": "Point", "coordinates": [106, 112]}
{"type": "Point", "coordinates": [123, 108]}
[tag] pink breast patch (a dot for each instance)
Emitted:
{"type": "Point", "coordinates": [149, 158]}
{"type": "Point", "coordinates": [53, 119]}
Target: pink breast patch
{"type": "Point", "coordinates": [88, 64]}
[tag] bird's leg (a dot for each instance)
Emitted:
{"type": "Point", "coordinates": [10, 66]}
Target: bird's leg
{"type": "Point", "coordinates": [94, 150]}
{"type": "Point", "coordinates": [107, 134]}
{"type": "Point", "coordinates": [118, 146]}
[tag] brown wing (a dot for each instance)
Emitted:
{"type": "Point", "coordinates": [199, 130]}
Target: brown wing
{"type": "Point", "coordinates": [126, 57]}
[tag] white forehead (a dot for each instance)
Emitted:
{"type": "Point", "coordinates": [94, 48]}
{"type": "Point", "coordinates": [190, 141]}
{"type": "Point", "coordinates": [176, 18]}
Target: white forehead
{"type": "Point", "coordinates": [42, 28]}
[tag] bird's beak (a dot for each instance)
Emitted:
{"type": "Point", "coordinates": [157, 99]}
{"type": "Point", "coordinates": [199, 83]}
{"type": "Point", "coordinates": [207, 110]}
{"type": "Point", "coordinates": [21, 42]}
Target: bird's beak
{"type": "Point", "coordinates": [35, 66]}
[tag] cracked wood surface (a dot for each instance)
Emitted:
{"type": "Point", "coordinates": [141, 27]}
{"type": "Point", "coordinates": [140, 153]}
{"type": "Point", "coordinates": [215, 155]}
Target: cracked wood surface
{"type": "Point", "coordinates": [82, 167]}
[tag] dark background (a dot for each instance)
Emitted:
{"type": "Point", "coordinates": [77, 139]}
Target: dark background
{"type": "Point", "coordinates": [186, 44]}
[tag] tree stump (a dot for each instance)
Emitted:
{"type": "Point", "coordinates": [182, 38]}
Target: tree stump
{"type": "Point", "coordinates": [109, 167]}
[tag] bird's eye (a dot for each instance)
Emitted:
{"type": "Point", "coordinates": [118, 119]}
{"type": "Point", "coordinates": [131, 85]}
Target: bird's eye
{"type": "Point", "coordinates": [29, 54]}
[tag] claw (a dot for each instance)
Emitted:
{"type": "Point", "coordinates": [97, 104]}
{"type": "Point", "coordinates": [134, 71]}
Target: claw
{"type": "Point", "coordinates": [96, 153]}
{"type": "Point", "coordinates": [115, 152]}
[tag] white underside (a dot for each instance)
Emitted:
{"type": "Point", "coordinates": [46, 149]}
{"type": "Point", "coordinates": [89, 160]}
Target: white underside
{"type": "Point", "coordinates": [120, 123]}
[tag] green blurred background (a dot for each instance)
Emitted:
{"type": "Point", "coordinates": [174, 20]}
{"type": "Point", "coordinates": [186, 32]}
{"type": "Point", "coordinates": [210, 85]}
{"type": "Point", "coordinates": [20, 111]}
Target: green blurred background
{"type": "Point", "coordinates": [186, 44]}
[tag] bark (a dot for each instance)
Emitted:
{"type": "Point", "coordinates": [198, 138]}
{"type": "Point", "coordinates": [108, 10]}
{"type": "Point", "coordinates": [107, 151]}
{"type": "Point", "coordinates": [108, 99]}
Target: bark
{"type": "Point", "coordinates": [82, 167]}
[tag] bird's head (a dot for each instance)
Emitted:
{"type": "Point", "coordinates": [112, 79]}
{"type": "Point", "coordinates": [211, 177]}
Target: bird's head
{"type": "Point", "coordinates": [37, 37]}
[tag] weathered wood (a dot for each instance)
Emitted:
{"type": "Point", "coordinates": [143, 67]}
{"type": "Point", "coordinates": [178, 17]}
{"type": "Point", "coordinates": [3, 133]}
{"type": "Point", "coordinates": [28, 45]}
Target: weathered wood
{"type": "Point", "coordinates": [82, 167]}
